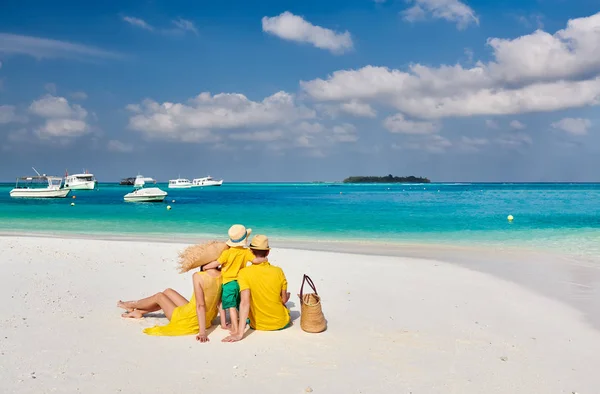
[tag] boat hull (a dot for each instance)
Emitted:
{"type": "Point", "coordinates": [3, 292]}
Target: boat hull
{"type": "Point", "coordinates": [39, 193]}
{"type": "Point", "coordinates": [144, 198]}
{"type": "Point", "coordinates": [180, 186]}
{"type": "Point", "coordinates": [91, 185]}
{"type": "Point", "coordinates": [211, 183]}
{"type": "Point", "coordinates": [153, 194]}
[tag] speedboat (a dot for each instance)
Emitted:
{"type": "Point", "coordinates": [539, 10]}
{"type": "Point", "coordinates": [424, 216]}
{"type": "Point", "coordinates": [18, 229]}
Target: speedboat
{"type": "Point", "coordinates": [127, 181]}
{"type": "Point", "coordinates": [80, 181]}
{"type": "Point", "coordinates": [40, 186]}
{"type": "Point", "coordinates": [141, 194]}
{"type": "Point", "coordinates": [149, 194]}
{"type": "Point", "coordinates": [180, 183]}
{"type": "Point", "coordinates": [206, 181]}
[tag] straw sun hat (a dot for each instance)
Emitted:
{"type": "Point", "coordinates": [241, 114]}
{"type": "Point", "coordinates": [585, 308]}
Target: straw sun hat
{"type": "Point", "coordinates": [260, 242]}
{"type": "Point", "coordinates": [238, 235]}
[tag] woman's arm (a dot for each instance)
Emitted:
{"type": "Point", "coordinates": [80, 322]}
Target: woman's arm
{"type": "Point", "coordinates": [200, 307]}
{"type": "Point", "coordinates": [211, 265]}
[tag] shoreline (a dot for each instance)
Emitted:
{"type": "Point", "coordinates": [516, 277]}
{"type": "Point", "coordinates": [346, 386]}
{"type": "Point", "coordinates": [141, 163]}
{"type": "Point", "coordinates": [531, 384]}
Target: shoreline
{"type": "Point", "coordinates": [395, 324]}
{"type": "Point", "coordinates": [353, 246]}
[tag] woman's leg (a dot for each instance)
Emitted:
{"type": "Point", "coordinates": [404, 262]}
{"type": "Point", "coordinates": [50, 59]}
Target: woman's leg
{"type": "Point", "coordinates": [167, 300]}
{"type": "Point", "coordinates": [177, 298]}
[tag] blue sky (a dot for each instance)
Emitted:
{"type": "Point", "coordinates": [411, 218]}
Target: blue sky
{"type": "Point", "coordinates": [301, 91]}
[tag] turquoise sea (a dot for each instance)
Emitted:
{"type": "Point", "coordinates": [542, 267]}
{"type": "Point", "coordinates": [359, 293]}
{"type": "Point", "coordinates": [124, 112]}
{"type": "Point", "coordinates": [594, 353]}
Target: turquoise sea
{"type": "Point", "coordinates": [562, 216]}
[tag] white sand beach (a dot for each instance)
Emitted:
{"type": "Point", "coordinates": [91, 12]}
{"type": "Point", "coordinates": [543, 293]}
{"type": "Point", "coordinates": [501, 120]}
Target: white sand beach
{"type": "Point", "coordinates": [396, 325]}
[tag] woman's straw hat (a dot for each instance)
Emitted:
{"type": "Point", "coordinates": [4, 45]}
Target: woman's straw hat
{"type": "Point", "coordinates": [238, 235]}
{"type": "Point", "coordinates": [260, 242]}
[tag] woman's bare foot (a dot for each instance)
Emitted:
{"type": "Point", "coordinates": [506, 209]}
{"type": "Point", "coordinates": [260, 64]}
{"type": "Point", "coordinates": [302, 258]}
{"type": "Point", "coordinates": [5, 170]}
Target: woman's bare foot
{"type": "Point", "coordinates": [126, 305]}
{"type": "Point", "coordinates": [135, 314]}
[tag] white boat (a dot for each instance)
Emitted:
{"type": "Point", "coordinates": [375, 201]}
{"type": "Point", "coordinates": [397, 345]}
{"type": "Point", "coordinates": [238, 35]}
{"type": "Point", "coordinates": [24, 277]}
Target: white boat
{"type": "Point", "coordinates": [40, 186]}
{"type": "Point", "coordinates": [80, 181]}
{"type": "Point", "coordinates": [180, 183]}
{"type": "Point", "coordinates": [206, 181]}
{"type": "Point", "coordinates": [149, 194]}
{"type": "Point", "coordinates": [141, 194]}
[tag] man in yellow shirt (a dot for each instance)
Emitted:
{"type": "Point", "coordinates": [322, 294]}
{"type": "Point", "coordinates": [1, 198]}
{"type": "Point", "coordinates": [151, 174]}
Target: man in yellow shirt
{"type": "Point", "coordinates": [263, 292]}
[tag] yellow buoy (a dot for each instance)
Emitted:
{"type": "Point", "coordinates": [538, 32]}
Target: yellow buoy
{"type": "Point", "coordinates": [510, 218]}
{"type": "Point", "coordinates": [74, 197]}
{"type": "Point", "coordinates": [168, 207]}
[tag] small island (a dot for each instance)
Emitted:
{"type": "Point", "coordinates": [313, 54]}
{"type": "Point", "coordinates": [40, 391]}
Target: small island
{"type": "Point", "coordinates": [386, 179]}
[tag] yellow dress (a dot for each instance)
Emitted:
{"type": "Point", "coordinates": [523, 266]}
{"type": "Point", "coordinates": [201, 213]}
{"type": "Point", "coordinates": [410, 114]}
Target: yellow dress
{"type": "Point", "coordinates": [184, 320]}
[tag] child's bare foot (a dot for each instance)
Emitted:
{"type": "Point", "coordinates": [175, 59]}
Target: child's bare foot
{"type": "Point", "coordinates": [126, 305]}
{"type": "Point", "coordinates": [226, 326]}
{"type": "Point", "coordinates": [135, 314]}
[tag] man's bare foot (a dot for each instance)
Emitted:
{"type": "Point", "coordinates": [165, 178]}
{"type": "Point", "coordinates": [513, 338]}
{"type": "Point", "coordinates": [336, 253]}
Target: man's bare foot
{"type": "Point", "coordinates": [126, 305]}
{"type": "Point", "coordinates": [135, 314]}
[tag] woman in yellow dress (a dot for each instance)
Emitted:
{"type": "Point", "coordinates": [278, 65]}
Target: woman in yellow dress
{"type": "Point", "coordinates": [185, 317]}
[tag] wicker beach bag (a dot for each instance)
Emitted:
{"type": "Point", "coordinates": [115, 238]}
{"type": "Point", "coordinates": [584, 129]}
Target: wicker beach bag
{"type": "Point", "coordinates": [311, 313]}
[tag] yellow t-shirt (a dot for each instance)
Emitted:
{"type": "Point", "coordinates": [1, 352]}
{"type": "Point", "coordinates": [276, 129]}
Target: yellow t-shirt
{"type": "Point", "coordinates": [232, 261]}
{"type": "Point", "coordinates": [265, 282]}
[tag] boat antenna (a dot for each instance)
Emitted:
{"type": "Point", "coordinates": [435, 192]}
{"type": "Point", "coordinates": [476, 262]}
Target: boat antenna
{"type": "Point", "coordinates": [36, 171]}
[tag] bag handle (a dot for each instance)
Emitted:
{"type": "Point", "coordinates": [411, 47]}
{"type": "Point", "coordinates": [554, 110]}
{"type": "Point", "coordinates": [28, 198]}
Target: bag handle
{"type": "Point", "coordinates": [310, 283]}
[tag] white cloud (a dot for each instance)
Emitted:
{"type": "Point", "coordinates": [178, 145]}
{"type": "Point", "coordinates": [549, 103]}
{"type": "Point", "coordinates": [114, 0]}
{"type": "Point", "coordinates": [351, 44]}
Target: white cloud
{"type": "Point", "coordinates": [8, 114]}
{"type": "Point", "coordinates": [431, 144]}
{"type": "Point", "coordinates": [569, 53]}
{"type": "Point", "coordinates": [56, 107]}
{"type": "Point", "coordinates": [262, 135]}
{"type": "Point", "coordinates": [357, 108]}
{"type": "Point", "coordinates": [118, 146]}
{"type": "Point", "coordinates": [62, 128]}
{"type": "Point", "coordinates": [516, 125]}
{"type": "Point", "coordinates": [491, 124]}
{"type": "Point", "coordinates": [398, 124]}
{"type": "Point", "coordinates": [469, 54]}
{"type": "Point", "coordinates": [61, 118]}
{"type": "Point", "coordinates": [344, 133]}
{"type": "Point", "coordinates": [294, 28]}
{"type": "Point", "coordinates": [184, 25]}
{"type": "Point", "coordinates": [473, 144]}
{"type": "Point", "coordinates": [181, 26]}
{"type": "Point", "coordinates": [79, 95]}
{"type": "Point", "coordinates": [514, 140]}
{"type": "Point", "coordinates": [534, 73]}
{"type": "Point", "coordinates": [575, 126]}
{"type": "Point", "coordinates": [50, 88]}
{"type": "Point", "coordinates": [137, 22]}
{"type": "Point", "coordinates": [42, 48]}
{"type": "Point", "coordinates": [449, 10]}
{"type": "Point", "coordinates": [205, 115]}
{"type": "Point", "coordinates": [534, 20]}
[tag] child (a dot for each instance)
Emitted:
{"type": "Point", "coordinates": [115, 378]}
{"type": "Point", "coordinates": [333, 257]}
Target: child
{"type": "Point", "coordinates": [232, 261]}
{"type": "Point", "coordinates": [263, 293]}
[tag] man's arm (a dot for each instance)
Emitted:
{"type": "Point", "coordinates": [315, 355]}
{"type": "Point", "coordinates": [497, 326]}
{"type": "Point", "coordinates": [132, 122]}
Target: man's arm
{"type": "Point", "coordinates": [244, 310]}
{"type": "Point", "coordinates": [285, 295]}
{"type": "Point", "coordinates": [200, 308]}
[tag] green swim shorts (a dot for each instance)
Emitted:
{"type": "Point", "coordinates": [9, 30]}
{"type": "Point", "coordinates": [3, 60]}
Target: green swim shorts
{"type": "Point", "coordinates": [230, 296]}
